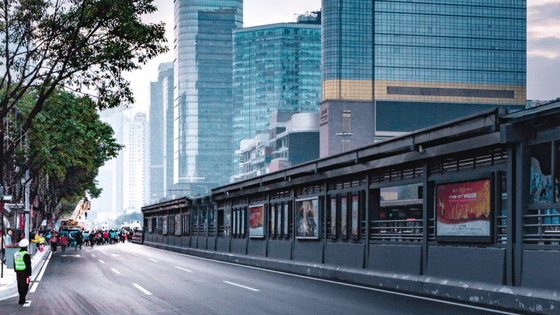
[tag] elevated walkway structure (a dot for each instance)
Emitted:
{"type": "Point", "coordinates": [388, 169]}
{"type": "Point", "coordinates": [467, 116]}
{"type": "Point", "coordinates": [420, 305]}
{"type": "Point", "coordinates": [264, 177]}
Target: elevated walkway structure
{"type": "Point", "coordinates": [467, 210]}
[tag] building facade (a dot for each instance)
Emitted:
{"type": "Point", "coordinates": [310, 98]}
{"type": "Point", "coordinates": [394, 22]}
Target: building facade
{"type": "Point", "coordinates": [297, 143]}
{"type": "Point", "coordinates": [161, 140]}
{"type": "Point", "coordinates": [135, 190]}
{"type": "Point", "coordinates": [275, 67]}
{"type": "Point", "coordinates": [203, 92]}
{"type": "Point", "coordinates": [408, 65]}
{"type": "Point", "coordinates": [292, 139]}
{"type": "Point", "coordinates": [110, 177]}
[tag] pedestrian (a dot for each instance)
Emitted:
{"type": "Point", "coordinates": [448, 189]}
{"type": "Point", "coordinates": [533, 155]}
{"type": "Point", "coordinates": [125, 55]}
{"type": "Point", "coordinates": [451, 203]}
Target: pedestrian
{"type": "Point", "coordinates": [8, 239]}
{"type": "Point", "coordinates": [22, 267]}
{"type": "Point", "coordinates": [78, 240]}
{"type": "Point", "coordinates": [54, 242]}
{"type": "Point", "coordinates": [63, 242]}
{"type": "Point", "coordinates": [105, 237]}
{"type": "Point", "coordinates": [43, 242]}
{"type": "Point", "coordinates": [86, 237]}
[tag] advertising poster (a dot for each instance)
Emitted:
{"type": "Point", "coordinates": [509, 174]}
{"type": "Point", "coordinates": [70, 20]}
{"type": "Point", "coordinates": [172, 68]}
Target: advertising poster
{"type": "Point", "coordinates": [333, 216]}
{"type": "Point", "coordinates": [355, 214]}
{"type": "Point", "coordinates": [463, 209]}
{"type": "Point", "coordinates": [344, 217]}
{"type": "Point", "coordinates": [272, 221]}
{"type": "Point", "coordinates": [307, 218]}
{"type": "Point", "coordinates": [178, 230]}
{"type": "Point", "coordinates": [150, 226]}
{"type": "Point", "coordinates": [256, 221]}
{"type": "Point", "coordinates": [164, 228]}
{"type": "Point", "coordinates": [286, 233]}
{"type": "Point", "coordinates": [279, 225]}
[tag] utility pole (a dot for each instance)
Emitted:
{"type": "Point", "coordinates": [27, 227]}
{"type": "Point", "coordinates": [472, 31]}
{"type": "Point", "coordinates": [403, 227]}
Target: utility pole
{"type": "Point", "coordinates": [27, 211]}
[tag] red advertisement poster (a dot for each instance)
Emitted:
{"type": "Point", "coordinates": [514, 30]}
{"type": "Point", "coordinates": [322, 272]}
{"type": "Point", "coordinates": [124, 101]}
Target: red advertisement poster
{"type": "Point", "coordinates": [463, 209]}
{"type": "Point", "coordinates": [256, 221]}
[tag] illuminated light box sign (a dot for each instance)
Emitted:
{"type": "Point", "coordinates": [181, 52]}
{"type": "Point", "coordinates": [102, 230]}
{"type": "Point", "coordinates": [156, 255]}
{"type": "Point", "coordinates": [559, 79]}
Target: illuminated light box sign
{"type": "Point", "coordinates": [307, 220]}
{"type": "Point", "coordinates": [463, 211]}
{"type": "Point", "coordinates": [256, 221]}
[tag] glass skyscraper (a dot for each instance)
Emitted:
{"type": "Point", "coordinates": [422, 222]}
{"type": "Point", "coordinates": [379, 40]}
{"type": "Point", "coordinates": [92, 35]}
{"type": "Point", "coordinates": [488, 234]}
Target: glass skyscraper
{"type": "Point", "coordinates": [275, 67]}
{"type": "Point", "coordinates": [419, 63]}
{"type": "Point", "coordinates": [203, 92]}
{"type": "Point", "coordinates": [161, 132]}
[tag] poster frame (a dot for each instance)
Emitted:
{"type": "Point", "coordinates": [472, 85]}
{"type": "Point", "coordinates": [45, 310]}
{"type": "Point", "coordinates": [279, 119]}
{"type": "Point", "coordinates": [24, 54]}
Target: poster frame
{"type": "Point", "coordinates": [178, 225]}
{"type": "Point", "coordinates": [333, 213]}
{"type": "Point", "coordinates": [465, 238]}
{"type": "Point", "coordinates": [286, 206]}
{"type": "Point", "coordinates": [253, 233]}
{"type": "Point", "coordinates": [164, 225]}
{"type": "Point", "coordinates": [355, 215]}
{"type": "Point", "coordinates": [318, 219]}
{"type": "Point", "coordinates": [279, 211]}
{"type": "Point", "coordinates": [343, 209]}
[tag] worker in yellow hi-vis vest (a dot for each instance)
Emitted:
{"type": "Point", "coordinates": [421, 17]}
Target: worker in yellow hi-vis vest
{"type": "Point", "coordinates": [22, 266]}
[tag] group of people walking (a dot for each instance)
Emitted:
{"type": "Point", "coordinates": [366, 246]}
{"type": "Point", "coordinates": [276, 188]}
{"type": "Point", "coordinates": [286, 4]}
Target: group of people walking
{"type": "Point", "coordinates": [22, 259]}
{"type": "Point", "coordinates": [98, 237]}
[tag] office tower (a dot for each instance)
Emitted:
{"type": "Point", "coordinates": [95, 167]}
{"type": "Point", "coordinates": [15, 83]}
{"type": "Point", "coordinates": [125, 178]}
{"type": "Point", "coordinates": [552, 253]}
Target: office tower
{"type": "Point", "coordinates": [167, 79]}
{"type": "Point", "coordinates": [135, 163]}
{"type": "Point", "coordinates": [203, 85]}
{"type": "Point", "coordinates": [110, 177]}
{"type": "Point", "coordinates": [398, 66]}
{"type": "Point", "coordinates": [161, 133]}
{"type": "Point", "coordinates": [275, 67]}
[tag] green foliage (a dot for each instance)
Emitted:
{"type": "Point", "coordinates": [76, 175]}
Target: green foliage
{"type": "Point", "coordinates": [83, 46]}
{"type": "Point", "coordinates": [69, 143]}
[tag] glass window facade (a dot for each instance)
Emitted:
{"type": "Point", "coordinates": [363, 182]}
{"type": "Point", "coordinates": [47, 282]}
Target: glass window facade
{"type": "Point", "coordinates": [274, 67]}
{"type": "Point", "coordinates": [161, 132]}
{"type": "Point", "coordinates": [447, 46]}
{"type": "Point", "coordinates": [203, 90]}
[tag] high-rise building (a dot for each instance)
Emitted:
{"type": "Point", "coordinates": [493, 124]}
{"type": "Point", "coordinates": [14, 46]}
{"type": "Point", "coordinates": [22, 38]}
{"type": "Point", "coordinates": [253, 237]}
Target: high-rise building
{"type": "Point", "coordinates": [203, 92]}
{"type": "Point", "coordinates": [275, 67]}
{"type": "Point", "coordinates": [161, 133]}
{"type": "Point", "coordinates": [110, 177]}
{"type": "Point", "coordinates": [167, 79]}
{"type": "Point", "coordinates": [135, 189]}
{"type": "Point", "coordinates": [397, 66]}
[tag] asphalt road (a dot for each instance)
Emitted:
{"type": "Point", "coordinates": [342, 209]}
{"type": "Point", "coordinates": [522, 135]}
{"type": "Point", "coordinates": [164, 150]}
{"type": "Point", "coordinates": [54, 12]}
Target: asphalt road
{"type": "Point", "coordinates": [135, 279]}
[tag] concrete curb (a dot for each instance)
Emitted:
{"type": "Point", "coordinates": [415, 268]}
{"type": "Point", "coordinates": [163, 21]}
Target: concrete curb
{"type": "Point", "coordinates": [486, 295]}
{"type": "Point", "coordinates": [37, 262]}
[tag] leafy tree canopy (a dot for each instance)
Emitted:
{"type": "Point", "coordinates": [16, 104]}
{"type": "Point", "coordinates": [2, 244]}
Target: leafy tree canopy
{"type": "Point", "coordinates": [66, 146]}
{"type": "Point", "coordinates": [81, 45]}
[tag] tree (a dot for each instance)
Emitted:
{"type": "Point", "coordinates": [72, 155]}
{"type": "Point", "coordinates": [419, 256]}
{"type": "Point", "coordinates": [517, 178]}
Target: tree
{"type": "Point", "coordinates": [65, 147]}
{"type": "Point", "coordinates": [80, 45]}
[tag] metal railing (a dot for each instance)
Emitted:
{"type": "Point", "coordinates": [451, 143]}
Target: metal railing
{"type": "Point", "coordinates": [409, 230]}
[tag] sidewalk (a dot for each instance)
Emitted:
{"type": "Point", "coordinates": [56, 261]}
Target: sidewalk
{"type": "Point", "coordinates": [8, 285]}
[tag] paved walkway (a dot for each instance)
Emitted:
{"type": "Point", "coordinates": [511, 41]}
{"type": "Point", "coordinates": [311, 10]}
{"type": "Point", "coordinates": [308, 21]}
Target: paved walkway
{"type": "Point", "coordinates": [8, 285]}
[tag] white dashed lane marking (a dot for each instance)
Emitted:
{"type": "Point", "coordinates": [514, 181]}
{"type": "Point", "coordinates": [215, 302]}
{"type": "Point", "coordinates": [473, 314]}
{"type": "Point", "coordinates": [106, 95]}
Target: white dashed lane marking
{"type": "Point", "coordinates": [241, 286]}
{"type": "Point", "coordinates": [142, 289]}
{"type": "Point", "coordinates": [187, 270]}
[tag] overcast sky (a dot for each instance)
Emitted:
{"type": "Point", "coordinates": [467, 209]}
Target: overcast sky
{"type": "Point", "coordinates": [543, 42]}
